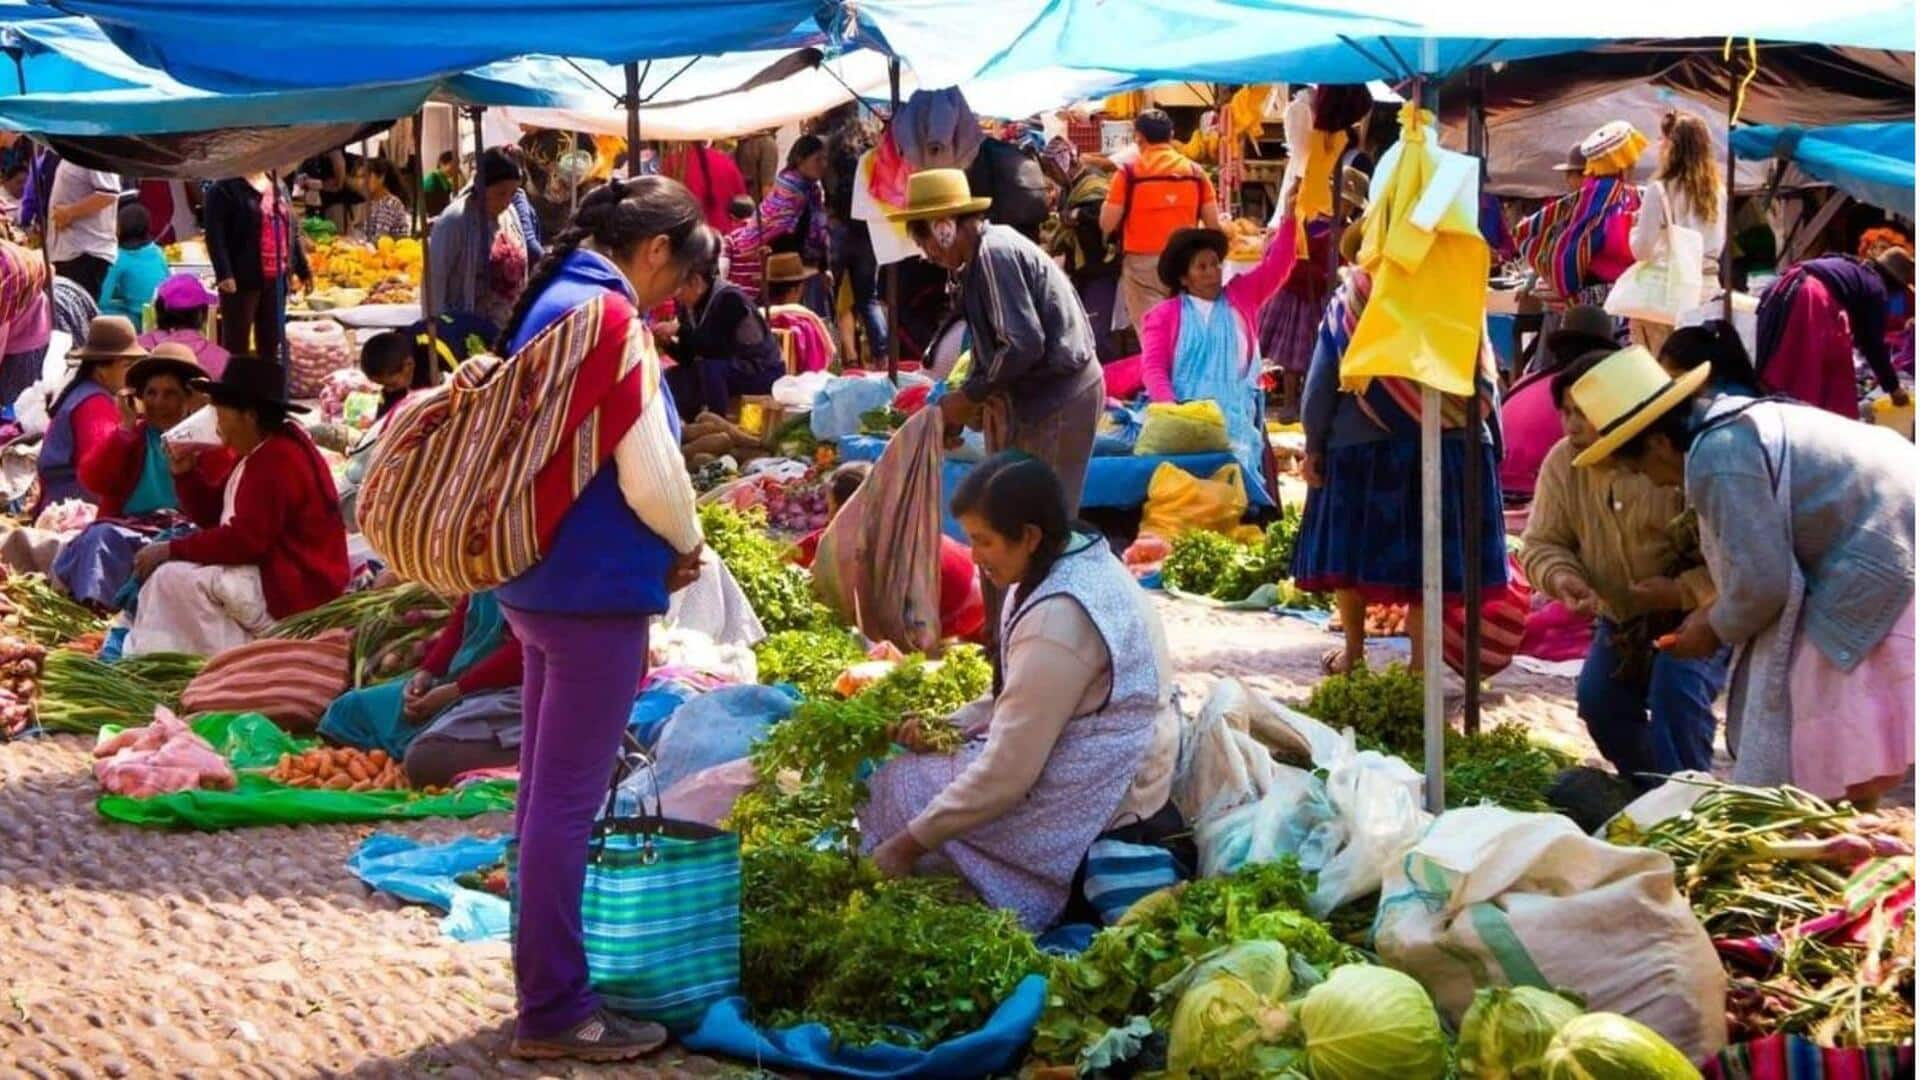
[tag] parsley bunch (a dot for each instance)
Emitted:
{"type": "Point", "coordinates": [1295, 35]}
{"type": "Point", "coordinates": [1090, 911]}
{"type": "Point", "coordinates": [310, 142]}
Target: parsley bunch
{"type": "Point", "coordinates": [780, 592]}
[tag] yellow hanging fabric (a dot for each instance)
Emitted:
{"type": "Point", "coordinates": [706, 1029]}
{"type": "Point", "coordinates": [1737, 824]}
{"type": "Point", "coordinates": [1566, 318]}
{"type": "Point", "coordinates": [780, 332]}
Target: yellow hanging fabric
{"type": "Point", "coordinates": [1125, 106]}
{"type": "Point", "coordinates": [1421, 243]}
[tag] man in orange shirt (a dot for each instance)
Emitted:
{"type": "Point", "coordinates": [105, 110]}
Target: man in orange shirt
{"type": "Point", "coordinates": [1149, 201]}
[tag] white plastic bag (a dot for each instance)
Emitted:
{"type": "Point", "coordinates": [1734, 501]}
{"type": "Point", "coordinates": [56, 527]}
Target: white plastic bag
{"type": "Point", "coordinates": [1490, 897]}
{"type": "Point", "coordinates": [1660, 289]}
{"type": "Point", "coordinates": [1221, 766]}
{"type": "Point", "coordinates": [316, 349]}
{"type": "Point", "coordinates": [1378, 819]}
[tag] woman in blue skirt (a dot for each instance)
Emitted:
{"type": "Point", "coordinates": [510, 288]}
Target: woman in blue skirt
{"type": "Point", "coordinates": [1360, 536]}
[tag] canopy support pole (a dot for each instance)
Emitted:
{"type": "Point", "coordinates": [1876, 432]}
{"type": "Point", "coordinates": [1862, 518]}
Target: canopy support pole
{"type": "Point", "coordinates": [1470, 539]}
{"type": "Point", "coordinates": [632, 102]}
{"type": "Point", "coordinates": [893, 269]}
{"type": "Point", "coordinates": [1736, 93]}
{"type": "Point", "coordinates": [479, 141]}
{"type": "Point", "coordinates": [420, 230]}
{"type": "Point", "coordinates": [1432, 535]}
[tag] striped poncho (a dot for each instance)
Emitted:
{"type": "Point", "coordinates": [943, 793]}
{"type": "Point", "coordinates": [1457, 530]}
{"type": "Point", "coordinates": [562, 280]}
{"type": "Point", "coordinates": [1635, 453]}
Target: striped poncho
{"type": "Point", "coordinates": [1580, 240]}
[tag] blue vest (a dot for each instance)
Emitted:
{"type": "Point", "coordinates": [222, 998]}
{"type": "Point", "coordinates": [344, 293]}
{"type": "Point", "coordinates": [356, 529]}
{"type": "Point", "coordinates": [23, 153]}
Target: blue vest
{"type": "Point", "coordinates": [59, 472]}
{"type": "Point", "coordinates": [602, 561]}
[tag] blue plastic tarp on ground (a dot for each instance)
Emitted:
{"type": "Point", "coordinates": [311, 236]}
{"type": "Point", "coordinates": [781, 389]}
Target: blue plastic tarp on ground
{"type": "Point", "coordinates": [245, 47]}
{"type": "Point", "coordinates": [1870, 162]}
{"type": "Point", "coordinates": [424, 873]}
{"type": "Point", "coordinates": [990, 1051]}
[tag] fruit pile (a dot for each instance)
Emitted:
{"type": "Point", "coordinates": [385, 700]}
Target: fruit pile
{"type": "Point", "coordinates": [346, 264]}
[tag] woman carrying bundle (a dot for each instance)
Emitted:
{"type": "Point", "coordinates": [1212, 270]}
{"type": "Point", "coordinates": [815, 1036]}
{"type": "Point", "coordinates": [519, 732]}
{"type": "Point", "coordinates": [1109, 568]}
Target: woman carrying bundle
{"type": "Point", "coordinates": [1079, 738]}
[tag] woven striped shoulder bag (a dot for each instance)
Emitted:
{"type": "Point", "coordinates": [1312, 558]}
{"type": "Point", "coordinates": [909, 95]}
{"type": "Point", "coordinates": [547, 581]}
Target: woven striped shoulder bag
{"type": "Point", "coordinates": [469, 482]}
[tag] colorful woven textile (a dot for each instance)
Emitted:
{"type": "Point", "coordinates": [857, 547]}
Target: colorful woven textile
{"type": "Point", "coordinates": [470, 481]}
{"type": "Point", "coordinates": [1561, 240]}
{"type": "Point", "coordinates": [1790, 1057]}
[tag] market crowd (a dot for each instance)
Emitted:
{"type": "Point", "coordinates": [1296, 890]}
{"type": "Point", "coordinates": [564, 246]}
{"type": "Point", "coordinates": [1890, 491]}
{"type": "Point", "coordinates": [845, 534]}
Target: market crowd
{"type": "Point", "coordinates": [1705, 504]}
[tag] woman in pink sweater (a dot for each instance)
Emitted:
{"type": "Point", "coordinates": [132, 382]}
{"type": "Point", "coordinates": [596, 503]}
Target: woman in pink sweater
{"type": "Point", "coordinates": [1201, 343]}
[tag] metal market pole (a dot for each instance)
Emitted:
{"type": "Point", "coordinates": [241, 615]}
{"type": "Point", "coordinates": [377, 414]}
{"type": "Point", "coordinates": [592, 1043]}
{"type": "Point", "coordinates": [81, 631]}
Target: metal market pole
{"type": "Point", "coordinates": [632, 103]}
{"type": "Point", "coordinates": [1470, 538]}
{"type": "Point", "coordinates": [479, 143]}
{"type": "Point", "coordinates": [893, 269]}
{"type": "Point", "coordinates": [1432, 536]}
{"type": "Point", "coordinates": [1736, 90]}
{"type": "Point", "coordinates": [420, 230]}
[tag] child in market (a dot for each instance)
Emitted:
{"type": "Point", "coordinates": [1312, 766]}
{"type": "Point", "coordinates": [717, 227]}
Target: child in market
{"type": "Point", "coordinates": [746, 255]}
{"type": "Point", "coordinates": [388, 360]}
{"type": "Point", "coordinates": [137, 272]}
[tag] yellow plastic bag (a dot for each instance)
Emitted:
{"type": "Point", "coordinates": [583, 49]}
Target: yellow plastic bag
{"type": "Point", "coordinates": [1178, 501]}
{"type": "Point", "coordinates": [1191, 427]}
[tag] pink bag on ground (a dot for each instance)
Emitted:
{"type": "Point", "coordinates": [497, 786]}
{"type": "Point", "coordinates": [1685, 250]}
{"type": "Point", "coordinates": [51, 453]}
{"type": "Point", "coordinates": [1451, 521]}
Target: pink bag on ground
{"type": "Point", "coordinates": [878, 564]}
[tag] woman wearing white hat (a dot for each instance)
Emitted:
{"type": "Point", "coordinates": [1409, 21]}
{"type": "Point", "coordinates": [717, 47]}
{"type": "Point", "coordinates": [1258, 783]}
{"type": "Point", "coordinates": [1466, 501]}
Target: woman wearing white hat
{"type": "Point", "coordinates": [1807, 523]}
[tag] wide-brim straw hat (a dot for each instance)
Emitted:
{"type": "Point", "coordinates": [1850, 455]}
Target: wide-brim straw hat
{"type": "Point", "coordinates": [1626, 392]}
{"type": "Point", "coordinates": [1576, 162]}
{"type": "Point", "coordinates": [939, 193]}
{"type": "Point", "coordinates": [1615, 148]}
{"type": "Point", "coordinates": [109, 338]}
{"type": "Point", "coordinates": [167, 358]}
{"type": "Point", "coordinates": [787, 268]}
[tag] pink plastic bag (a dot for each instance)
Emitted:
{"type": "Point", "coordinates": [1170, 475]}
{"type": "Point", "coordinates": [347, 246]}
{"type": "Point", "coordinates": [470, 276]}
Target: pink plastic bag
{"type": "Point", "coordinates": [878, 564]}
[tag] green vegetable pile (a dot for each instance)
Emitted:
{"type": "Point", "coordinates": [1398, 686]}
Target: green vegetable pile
{"type": "Point", "coordinates": [780, 592]}
{"type": "Point", "coordinates": [913, 961]}
{"type": "Point", "coordinates": [1112, 984]}
{"type": "Point", "coordinates": [919, 689]}
{"type": "Point", "coordinates": [1208, 564]}
{"type": "Point", "coordinates": [35, 607]}
{"type": "Point", "coordinates": [1502, 766]}
{"type": "Point", "coordinates": [318, 229]}
{"type": "Point", "coordinates": [795, 439]}
{"type": "Point", "coordinates": [81, 694]}
{"type": "Point", "coordinates": [808, 660]}
{"type": "Point", "coordinates": [1386, 709]}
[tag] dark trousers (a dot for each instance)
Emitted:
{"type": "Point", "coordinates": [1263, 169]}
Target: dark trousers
{"type": "Point", "coordinates": [253, 321]}
{"type": "Point", "coordinates": [707, 385]}
{"type": "Point", "coordinates": [578, 687]}
{"type": "Point", "coordinates": [1661, 725]}
{"type": "Point", "coordinates": [434, 760]}
{"type": "Point", "coordinates": [87, 271]}
{"type": "Point", "coordinates": [863, 276]}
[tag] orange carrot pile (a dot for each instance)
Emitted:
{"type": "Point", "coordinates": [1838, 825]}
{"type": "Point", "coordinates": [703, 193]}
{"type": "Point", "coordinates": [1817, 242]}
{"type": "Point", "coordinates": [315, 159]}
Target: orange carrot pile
{"type": "Point", "coordinates": [340, 769]}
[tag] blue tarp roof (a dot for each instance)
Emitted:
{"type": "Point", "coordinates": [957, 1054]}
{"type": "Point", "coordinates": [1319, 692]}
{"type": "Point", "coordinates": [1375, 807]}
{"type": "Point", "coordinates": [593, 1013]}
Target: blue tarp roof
{"type": "Point", "coordinates": [247, 46]}
{"type": "Point", "coordinates": [1871, 162]}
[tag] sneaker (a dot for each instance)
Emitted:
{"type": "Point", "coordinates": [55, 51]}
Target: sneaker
{"type": "Point", "coordinates": [603, 1036]}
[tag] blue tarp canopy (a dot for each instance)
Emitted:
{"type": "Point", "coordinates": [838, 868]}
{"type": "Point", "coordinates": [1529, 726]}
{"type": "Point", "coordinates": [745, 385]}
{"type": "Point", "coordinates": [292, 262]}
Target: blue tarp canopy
{"type": "Point", "coordinates": [1254, 41]}
{"type": "Point", "coordinates": [1870, 162]}
{"type": "Point", "coordinates": [244, 46]}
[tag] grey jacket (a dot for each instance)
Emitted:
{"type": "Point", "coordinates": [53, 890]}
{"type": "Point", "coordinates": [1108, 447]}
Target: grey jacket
{"type": "Point", "coordinates": [1030, 336]}
{"type": "Point", "coordinates": [1850, 513]}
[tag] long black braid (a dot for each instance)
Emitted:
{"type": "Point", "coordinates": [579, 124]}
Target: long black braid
{"type": "Point", "coordinates": [616, 217]}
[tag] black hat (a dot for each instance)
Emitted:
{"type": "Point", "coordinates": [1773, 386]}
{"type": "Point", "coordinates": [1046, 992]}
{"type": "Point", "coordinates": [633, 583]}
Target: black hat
{"type": "Point", "coordinates": [1582, 329]}
{"type": "Point", "coordinates": [247, 383]}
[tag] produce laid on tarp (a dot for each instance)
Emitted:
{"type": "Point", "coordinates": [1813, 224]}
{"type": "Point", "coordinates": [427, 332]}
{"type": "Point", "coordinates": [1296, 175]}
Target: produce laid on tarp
{"type": "Point", "coordinates": [82, 694]}
{"type": "Point", "coordinates": [1206, 563]}
{"type": "Point", "coordinates": [33, 606]}
{"type": "Point", "coordinates": [780, 592]}
{"type": "Point", "coordinates": [390, 626]}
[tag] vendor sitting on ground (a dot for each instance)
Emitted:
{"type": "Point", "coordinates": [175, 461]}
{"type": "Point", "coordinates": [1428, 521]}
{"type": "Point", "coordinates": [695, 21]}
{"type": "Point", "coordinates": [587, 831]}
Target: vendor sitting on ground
{"type": "Point", "coordinates": [180, 308]}
{"type": "Point", "coordinates": [144, 486]}
{"type": "Point", "coordinates": [458, 713]}
{"type": "Point", "coordinates": [1202, 343]}
{"type": "Point", "coordinates": [786, 282]}
{"type": "Point", "coordinates": [720, 343]}
{"type": "Point", "coordinates": [281, 545]}
{"type": "Point", "coordinates": [1078, 742]}
{"type": "Point", "coordinates": [87, 412]}
{"type": "Point", "coordinates": [963, 612]}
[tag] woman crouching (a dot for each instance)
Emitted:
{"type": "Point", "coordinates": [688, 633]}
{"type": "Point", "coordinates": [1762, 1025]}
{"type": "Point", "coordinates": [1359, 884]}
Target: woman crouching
{"type": "Point", "coordinates": [1079, 738]}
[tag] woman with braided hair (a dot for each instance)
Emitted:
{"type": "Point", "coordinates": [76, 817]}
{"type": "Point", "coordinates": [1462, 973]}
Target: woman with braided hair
{"type": "Point", "coordinates": [629, 540]}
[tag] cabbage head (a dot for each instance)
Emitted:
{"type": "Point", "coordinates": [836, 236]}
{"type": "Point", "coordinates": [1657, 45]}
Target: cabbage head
{"type": "Point", "coordinates": [1505, 1032]}
{"type": "Point", "coordinates": [1263, 965]}
{"type": "Point", "coordinates": [1608, 1046]}
{"type": "Point", "coordinates": [1372, 1023]}
{"type": "Point", "coordinates": [1224, 1028]}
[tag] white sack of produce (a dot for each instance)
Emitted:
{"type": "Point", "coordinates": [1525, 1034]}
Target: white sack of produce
{"type": "Point", "coordinates": [1221, 766]}
{"type": "Point", "coordinates": [316, 349]}
{"type": "Point", "coordinates": [878, 564]}
{"type": "Point", "coordinates": [1490, 897]}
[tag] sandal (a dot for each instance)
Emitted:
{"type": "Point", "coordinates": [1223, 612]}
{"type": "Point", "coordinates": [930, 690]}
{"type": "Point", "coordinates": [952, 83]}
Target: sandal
{"type": "Point", "coordinates": [1335, 662]}
{"type": "Point", "coordinates": [602, 1037]}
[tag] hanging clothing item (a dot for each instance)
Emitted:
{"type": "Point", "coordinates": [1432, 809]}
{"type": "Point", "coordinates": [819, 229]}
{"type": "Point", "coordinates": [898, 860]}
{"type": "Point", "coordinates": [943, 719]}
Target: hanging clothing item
{"type": "Point", "coordinates": [1422, 245]}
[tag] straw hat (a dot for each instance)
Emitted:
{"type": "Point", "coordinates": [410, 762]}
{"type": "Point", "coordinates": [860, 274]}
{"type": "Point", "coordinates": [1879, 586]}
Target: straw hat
{"type": "Point", "coordinates": [167, 358]}
{"type": "Point", "coordinates": [1626, 392]}
{"type": "Point", "coordinates": [109, 338]}
{"type": "Point", "coordinates": [938, 193]}
{"type": "Point", "coordinates": [1615, 148]}
{"type": "Point", "coordinates": [1897, 265]}
{"type": "Point", "coordinates": [787, 268]}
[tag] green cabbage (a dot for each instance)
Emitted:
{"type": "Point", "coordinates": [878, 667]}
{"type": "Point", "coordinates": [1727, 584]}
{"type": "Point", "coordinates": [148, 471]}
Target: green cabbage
{"type": "Point", "coordinates": [1262, 965]}
{"type": "Point", "coordinates": [1372, 1023]}
{"type": "Point", "coordinates": [1607, 1046]}
{"type": "Point", "coordinates": [1505, 1032]}
{"type": "Point", "coordinates": [1224, 1028]}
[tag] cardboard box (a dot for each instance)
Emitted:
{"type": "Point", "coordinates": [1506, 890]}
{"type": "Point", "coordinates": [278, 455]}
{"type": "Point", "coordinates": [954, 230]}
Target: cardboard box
{"type": "Point", "coordinates": [763, 416]}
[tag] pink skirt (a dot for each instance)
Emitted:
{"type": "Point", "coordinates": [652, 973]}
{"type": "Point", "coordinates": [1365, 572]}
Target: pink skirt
{"type": "Point", "coordinates": [1853, 726]}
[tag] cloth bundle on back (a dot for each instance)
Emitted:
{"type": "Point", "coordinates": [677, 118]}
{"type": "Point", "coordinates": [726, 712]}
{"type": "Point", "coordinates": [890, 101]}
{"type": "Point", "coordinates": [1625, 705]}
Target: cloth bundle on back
{"type": "Point", "coordinates": [936, 129]}
{"type": "Point", "coordinates": [879, 562]}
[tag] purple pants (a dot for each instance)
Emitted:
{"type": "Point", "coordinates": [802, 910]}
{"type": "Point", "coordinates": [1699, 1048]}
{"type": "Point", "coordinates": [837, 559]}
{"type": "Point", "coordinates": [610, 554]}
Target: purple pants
{"type": "Point", "coordinates": [581, 671]}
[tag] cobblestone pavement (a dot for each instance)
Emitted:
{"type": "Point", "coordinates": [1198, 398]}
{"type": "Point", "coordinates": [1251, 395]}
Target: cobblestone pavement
{"type": "Point", "coordinates": [131, 953]}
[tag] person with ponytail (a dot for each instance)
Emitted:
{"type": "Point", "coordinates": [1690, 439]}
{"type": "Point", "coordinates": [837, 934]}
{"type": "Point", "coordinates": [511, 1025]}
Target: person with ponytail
{"type": "Point", "coordinates": [478, 251]}
{"type": "Point", "coordinates": [1716, 344]}
{"type": "Point", "coordinates": [1077, 741]}
{"type": "Point", "coordinates": [1687, 191]}
{"type": "Point", "coordinates": [581, 613]}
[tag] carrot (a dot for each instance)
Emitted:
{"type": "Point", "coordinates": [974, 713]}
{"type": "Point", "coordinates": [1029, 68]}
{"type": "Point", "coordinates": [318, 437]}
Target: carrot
{"type": "Point", "coordinates": [357, 771]}
{"type": "Point", "coordinates": [338, 783]}
{"type": "Point", "coordinates": [362, 785]}
{"type": "Point", "coordinates": [378, 757]}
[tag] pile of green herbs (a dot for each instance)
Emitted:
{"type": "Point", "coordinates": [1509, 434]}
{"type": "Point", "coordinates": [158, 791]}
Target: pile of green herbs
{"type": "Point", "coordinates": [1755, 862]}
{"type": "Point", "coordinates": [824, 938]}
{"type": "Point", "coordinates": [1208, 564]}
{"type": "Point", "coordinates": [780, 592]}
{"type": "Point", "coordinates": [810, 661]}
{"type": "Point", "coordinates": [1386, 710]}
{"type": "Point", "coordinates": [1100, 1001]}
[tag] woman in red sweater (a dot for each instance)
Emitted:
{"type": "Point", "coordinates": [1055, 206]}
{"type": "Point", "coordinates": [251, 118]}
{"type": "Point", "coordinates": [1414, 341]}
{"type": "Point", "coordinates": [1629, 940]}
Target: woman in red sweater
{"type": "Point", "coordinates": [281, 545]}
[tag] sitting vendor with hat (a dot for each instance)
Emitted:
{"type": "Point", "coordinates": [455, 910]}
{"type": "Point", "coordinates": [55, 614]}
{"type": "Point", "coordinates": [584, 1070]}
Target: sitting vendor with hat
{"type": "Point", "coordinates": [280, 547]}
{"type": "Point", "coordinates": [786, 278]}
{"type": "Point", "coordinates": [144, 486]}
{"type": "Point", "coordinates": [180, 308]}
{"type": "Point", "coordinates": [86, 413]}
